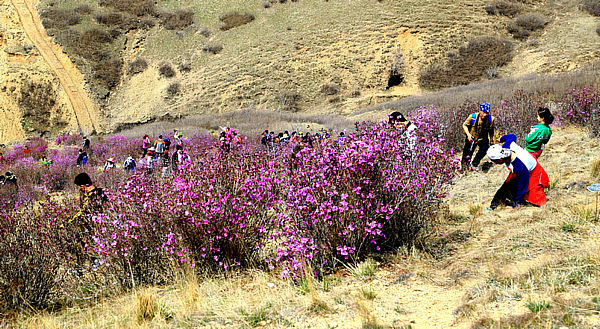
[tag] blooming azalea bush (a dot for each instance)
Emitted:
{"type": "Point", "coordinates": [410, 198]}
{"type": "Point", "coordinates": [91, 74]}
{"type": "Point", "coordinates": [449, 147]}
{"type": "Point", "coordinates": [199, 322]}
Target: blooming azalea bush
{"type": "Point", "coordinates": [581, 107]}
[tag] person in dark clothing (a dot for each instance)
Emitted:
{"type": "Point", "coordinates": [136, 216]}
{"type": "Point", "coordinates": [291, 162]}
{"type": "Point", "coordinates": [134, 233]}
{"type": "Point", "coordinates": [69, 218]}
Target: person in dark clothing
{"type": "Point", "coordinates": [82, 158]}
{"type": "Point", "coordinates": [9, 179]}
{"type": "Point", "coordinates": [86, 144]}
{"type": "Point", "coordinates": [91, 198]}
{"type": "Point", "coordinates": [479, 131]}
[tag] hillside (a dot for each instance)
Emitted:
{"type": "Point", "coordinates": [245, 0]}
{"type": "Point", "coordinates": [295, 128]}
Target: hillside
{"type": "Point", "coordinates": [517, 268]}
{"type": "Point", "coordinates": [333, 57]}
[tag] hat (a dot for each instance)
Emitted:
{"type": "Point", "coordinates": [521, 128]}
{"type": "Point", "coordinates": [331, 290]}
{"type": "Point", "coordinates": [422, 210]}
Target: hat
{"type": "Point", "coordinates": [485, 107]}
{"type": "Point", "coordinates": [83, 179]}
{"type": "Point", "coordinates": [151, 149]}
{"type": "Point", "coordinates": [8, 174]}
{"type": "Point", "coordinates": [110, 160]}
{"type": "Point", "coordinates": [396, 117]}
{"type": "Point", "coordinates": [497, 152]}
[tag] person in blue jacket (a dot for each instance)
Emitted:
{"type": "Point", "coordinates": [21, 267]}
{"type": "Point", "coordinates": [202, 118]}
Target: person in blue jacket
{"type": "Point", "coordinates": [512, 192]}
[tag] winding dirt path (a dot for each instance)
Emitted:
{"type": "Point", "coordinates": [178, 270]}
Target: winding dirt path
{"type": "Point", "coordinates": [86, 112]}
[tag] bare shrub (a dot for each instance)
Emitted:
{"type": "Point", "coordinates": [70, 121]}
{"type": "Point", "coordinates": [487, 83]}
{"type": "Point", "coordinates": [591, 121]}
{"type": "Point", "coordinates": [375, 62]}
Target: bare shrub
{"type": "Point", "coordinates": [165, 70]}
{"type": "Point", "coordinates": [469, 64]}
{"type": "Point", "coordinates": [212, 47]}
{"type": "Point", "coordinates": [234, 19]}
{"type": "Point", "coordinates": [37, 100]}
{"type": "Point", "coordinates": [108, 72]}
{"type": "Point", "coordinates": [530, 22]}
{"type": "Point", "coordinates": [330, 89]}
{"type": "Point", "coordinates": [112, 19]}
{"type": "Point", "coordinates": [138, 65]}
{"type": "Point", "coordinates": [59, 18]}
{"type": "Point", "coordinates": [517, 31]}
{"type": "Point", "coordinates": [83, 9]}
{"type": "Point", "coordinates": [267, 4]}
{"type": "Point", "coordinates": [184, 67]}
{"type": "Point", "coordinates": [204, 31]}
{"type": "Point", "coordinates": [505, 8]}
{"type": "Point", "coordinates": [67, 37]}
{"type": "Point", "coordinates": [173, 89]}
{"type": "Point", "coordinates": [290, 101]}
{"type": "Point", "coordinates": [96, 35]}
{"type": "Point", "coordinates": [598, 30]}
{"type": "Point", "coordinates": [178, 20]}
{"type": "Point", "coordinates": [592, 7]}
{"type": "Point", "coordinates": [133, 7]}
{"type": "Point", "coordinates": [146, 23]}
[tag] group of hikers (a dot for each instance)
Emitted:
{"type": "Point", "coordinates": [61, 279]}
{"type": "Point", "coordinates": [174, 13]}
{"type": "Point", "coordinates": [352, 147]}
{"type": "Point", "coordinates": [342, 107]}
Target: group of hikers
{"type": "Point", "coordinates": [273, 141]}
{"type": "Point", "coordinates": [527, 179]}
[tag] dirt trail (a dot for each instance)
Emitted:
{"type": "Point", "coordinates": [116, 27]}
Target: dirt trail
{"type": "Point", "coordinates": [86, 112]}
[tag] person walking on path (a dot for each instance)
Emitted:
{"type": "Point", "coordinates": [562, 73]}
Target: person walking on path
{"type": "Point", "coordinates": [82, 158]}
{"type": "Point", "coordinates": [479, 131]}
{"type": "Point", "coordinates": [540, 133]}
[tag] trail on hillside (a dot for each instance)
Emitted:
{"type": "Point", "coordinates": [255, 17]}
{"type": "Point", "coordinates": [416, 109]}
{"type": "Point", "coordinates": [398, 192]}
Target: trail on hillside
{"type": "Point", "coordinates": [86, 112]}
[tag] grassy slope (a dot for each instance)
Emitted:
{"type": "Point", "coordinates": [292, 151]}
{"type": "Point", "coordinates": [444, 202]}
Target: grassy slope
{"type": "Point", "coordinates": [484, 270]}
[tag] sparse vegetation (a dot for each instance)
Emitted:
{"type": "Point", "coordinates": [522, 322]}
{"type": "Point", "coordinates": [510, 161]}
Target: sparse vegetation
{"type": "Point", "coordinates": [178, 20]}
{"type": "Point", "coordinates": [173, 89]}
{"type": "Point", "coordinates": [184, 67]}
{"type": "Point", "coordinates": [522, 27]}
{"type": "Point", "coordinates": [330, 89]}
{"type": "Point", "coordinates": [59, 18]}
{"type": "Point", "coordinates": [470, 63]}
{"type": "Point", "coordinates": [83, 9]}
{"type": "Point", "coordinates": [137, 8]}
{"type": "Point", "coordinates": [212, 47]}
{"type": "Point", "coordinates": [235, 19]}
{"type": "Point", "coordinates": [502, 7]}
{"type": "Point", "coordinates": [37, 101]}
{"type": "Point", "coordinates": [166, 70]}
{"type": "Point", "coordinates": [138, 65]}
{"type": "Point", "coordinates": [592, 7]}
{"type": "Point", "coordinates": [537, 307]}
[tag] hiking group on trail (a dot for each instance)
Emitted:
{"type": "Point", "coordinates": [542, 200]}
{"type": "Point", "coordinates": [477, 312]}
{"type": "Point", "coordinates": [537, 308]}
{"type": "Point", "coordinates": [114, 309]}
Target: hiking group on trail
{"type": "Point", "coordinates": [524, 185]}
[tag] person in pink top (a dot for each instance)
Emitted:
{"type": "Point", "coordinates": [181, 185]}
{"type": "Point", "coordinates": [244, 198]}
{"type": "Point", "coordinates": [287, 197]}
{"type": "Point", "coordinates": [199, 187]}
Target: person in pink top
{"type": "Point", "coordinates": [145, 145]}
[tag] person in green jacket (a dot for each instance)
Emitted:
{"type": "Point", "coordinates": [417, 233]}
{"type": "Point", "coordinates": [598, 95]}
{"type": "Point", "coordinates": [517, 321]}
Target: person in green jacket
{"type": "Point", "coordinates": [540, 133]}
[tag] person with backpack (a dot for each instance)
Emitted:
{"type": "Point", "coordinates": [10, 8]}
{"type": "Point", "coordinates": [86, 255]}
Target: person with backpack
{"type": "Point", "coordinates": [129, 164]}
{"type": "Point", "coordinates": [159, 146]}
{"type": "Point", "coordinates": [540, 133]}
{"type": "Point", "coordinates": [167, 146]}
{"type": "Point", "coordinates": [479, 131]}
{"type": "Point", "coordinates": [82, 158]}
{"type": "Point", "coordinates": [150, 159]}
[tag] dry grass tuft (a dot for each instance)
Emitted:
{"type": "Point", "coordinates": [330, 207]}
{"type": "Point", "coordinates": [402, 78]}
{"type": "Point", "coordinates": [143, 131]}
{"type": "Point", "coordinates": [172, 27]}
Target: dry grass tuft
{"type": "Point", "coordinates": [166, 70]}
{"type": "Point", "coordinates": [178, 20]}
{"type": "Point", "coordinates": [505, 8]}
{"type": "Point", "coordinates": [147, 307]}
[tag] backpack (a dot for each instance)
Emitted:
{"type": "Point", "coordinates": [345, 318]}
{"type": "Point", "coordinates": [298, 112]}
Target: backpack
{"type": "Point", "coordinates": [85, 159]}
{"type": "Point", "coordinates": [474, 118]}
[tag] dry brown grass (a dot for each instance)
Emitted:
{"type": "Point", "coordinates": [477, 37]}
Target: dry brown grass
{"type": "Point", "coordinates": [235, 19]}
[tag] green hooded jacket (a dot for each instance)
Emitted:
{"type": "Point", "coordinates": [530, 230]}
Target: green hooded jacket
{"type": "Point", "coordinates": [538, 136]}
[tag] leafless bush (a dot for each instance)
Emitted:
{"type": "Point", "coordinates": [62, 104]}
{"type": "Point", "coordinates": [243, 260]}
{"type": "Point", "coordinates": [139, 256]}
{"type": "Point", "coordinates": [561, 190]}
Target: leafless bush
{"type": "Point", "coordinates": [112, 19]}
{"type": "Point", "coordinates": [83, 9]}
{"type": "Point", "coordinates": [469, 64]}
{"type": "Point", "coordinates": [173, 89]}
{"type": "Point", "coordinates": [592, 7]}
{"type": "Point", "coordinates": [267, 4]}
{"type": "Point", "coordinates": [505, 8]}
{"type": "Point", "coordinates": [598, 30]}
{"type": "Point", "coordinates": [330, 89]}
{"type": "Point", "coordinates": [137, 8]}
{"type": "Point", "coordinates": [108, 72]}
{"type": "Point", "coordinates": [37, 100]}
{"type": "Point", "coordinates": [234, 19]}
{"type": "Point", "coordinates": [184, 67]}
{"type": "Point", "coordinates": [530, 22]}
{"type": "Point", "coordinates": [212, 47]}
{"type": "Point", "coordinates": [138, 65]}
{"type": "Point", "coordinates": [290, 101]}
{"type": "Point", "coordinates": [517, 31]}
{"type": "Point", "coordinates": [96, 35]}
{"type": "Point", "coordinates": [165, 70]}
{"type": "Point", "coordinates": [178, 20]}
{"type": "Point", "coordinates": [204, 31]}
{"type": "Point", "coordinates": [59, 18]}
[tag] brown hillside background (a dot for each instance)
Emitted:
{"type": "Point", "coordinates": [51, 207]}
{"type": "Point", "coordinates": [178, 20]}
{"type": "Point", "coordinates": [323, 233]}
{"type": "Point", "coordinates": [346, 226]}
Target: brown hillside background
{"type": "Point", "coordinates": [310, 57]}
